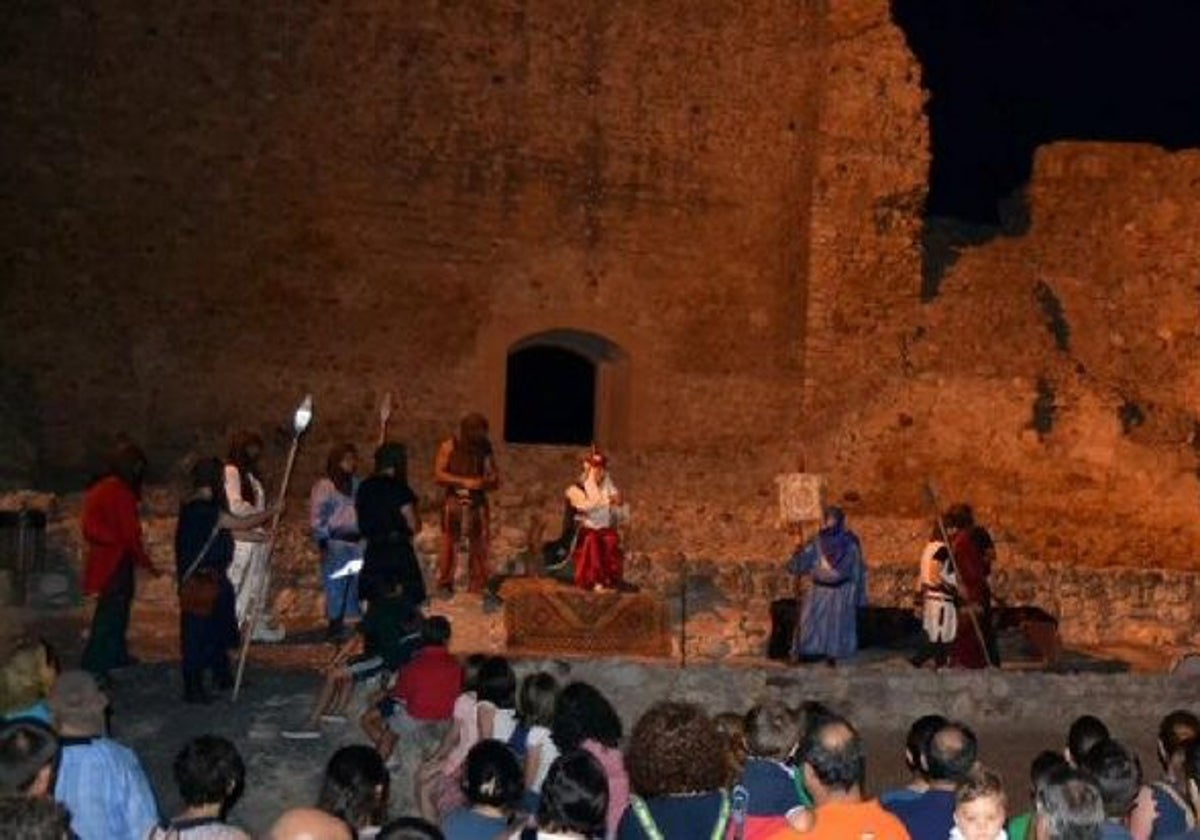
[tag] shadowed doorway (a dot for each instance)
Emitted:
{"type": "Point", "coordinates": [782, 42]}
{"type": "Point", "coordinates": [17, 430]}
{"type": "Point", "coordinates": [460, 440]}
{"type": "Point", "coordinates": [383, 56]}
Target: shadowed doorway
{"type": "Point", "coordinates": [559, 388]}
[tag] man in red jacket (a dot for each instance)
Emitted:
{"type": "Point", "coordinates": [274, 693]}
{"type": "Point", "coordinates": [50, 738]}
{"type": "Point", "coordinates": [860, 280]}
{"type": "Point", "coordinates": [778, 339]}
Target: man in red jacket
{"type": "Point", "coordinates": [114, 545]}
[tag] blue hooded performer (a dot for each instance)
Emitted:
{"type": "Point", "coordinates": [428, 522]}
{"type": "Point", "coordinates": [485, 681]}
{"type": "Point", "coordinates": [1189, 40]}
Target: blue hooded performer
{"type": "Point", "coordinates": [829, 615]}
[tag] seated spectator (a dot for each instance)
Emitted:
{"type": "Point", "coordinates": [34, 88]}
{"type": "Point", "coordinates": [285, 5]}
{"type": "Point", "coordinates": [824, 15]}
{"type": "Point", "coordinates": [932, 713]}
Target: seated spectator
{"type": "Point", "coordinates": [1177, 730]}
{"type": "Point", "coordinates": [439, 778]}
{"type": "Point", "coordinates": [531, 739]}
{"type": "Point", "coordinates": [497, 707]}
{"type": "Point", "coordinates": [356, 789]}
{"type": "Point", "coordinates": [574, 801]}
{"type": "Point", "coordinates": [25, 682]}
{"type": "Point", "coordinates": [732, 728]}
{"type": "Point", "coordinates": [1086, 731]}
{"type": "Point", "coordinates": [677, 771]}
{"type": "Point", "coordinates": [834, 766]}
{"type": "Point", "coordinates": [28, 758]}
{"type": "Point", "coordinates": [980, 807]}
{"type": "Point", "coordinates": [584, 719]}
{"type": "Point", "coordinates": [100, 781]}
{"type": "Point", "coordinates": [1046, 762]}
{"type": "Point", "coordinates": [493, 784]}
{"type": "Point", "coordinates": [1068, 807]}
{"type": "Point", "coordinates": [33, 818]}
{"type": "Point", "coordinates": [388, 638]}
{"type": "Point", "coordinates": [1118, 775]}
{"type": "Point", "coordinates": [424, 692]}
{"type": "Point", "coordinates": [770, 780]}
{"type": "Point", "coordinates": [210, 775]}
{"type": "Point", "coordinates": [1191, 771]}
{"type": "Point", "coordinates": [309, 824]}
{"type": "Point", "coordinates": [916, 752]}
{"type": "Point", "coordinates": [410, 828]}
{"type": "Point", "coordinates": [951, 755]}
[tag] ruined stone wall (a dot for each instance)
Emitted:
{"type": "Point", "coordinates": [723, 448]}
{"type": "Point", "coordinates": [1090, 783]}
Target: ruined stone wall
{"type": "Point", "coordinates": [1053, 380]}
{"type": "Point", "coordinates": [215, 208]}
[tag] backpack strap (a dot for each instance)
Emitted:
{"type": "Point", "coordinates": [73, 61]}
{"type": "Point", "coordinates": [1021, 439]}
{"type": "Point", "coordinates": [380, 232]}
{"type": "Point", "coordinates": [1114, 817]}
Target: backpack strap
{"type": "Point", "coordinates": [722, 818]}
{"type": "Point", "coordinates": [645, 818]}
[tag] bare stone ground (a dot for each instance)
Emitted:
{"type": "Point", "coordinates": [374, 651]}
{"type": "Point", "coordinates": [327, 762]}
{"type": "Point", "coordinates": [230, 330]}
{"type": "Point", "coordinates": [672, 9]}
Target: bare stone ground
{"type": "Point", "coordinates": [281, 682]}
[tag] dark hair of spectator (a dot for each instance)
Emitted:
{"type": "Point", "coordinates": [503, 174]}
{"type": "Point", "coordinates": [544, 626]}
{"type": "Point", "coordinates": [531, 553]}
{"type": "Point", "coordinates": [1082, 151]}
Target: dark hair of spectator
{"type": "Point", "coordinates": [539, 693]}
{"type": "Point", "coordinates": [497, 683]}
{"type": "Point", "coordinates": [410, 828]}
{"type": "Point", "coordinates": [1176, 731]}
{"type": "Point", "coordinates": [471, 668]}
{"type": "Point", "coordinates": [1070, 803]}
{"type": "Point", "coordinates": [1085, 733]}
{"type": "Point", "coordinates": [834, 751]}
{"type": "Point", "coordinates": [772, 731]}
{"type": "Point", "coordinates": [1118, 774]}
{"type": "Point", "coordinates": [952, 753]}
{"type": "Point", "coordinates": [574, 796]}
{"type": "Point", "coordinates": [33, 818]}
{"type": "Point", "coordinates": [26, 746]}
{"type": "Point", "coordinates": [435, 630]}
{"type": "Point", "coordinates": [209, 770]}
{"type": "Point", "coordinates": [582, 713]}
{"type": "Point", "coordinates": [493, 776]}
{"type": "Point", "coordinates": [1191, 762]}
{"type": "Point", "coordinates": [355, 788]}
{"type": "Point", "coordinates": [979, 783]}
{"type": "Point", "coordinates": [732, 728]}
{"type": "Point", "coordinates": [674, 749]}
{"type": "Point", "coordinates": [916, 743]}
{"type": "Point", "coordinates": [1043, 764]}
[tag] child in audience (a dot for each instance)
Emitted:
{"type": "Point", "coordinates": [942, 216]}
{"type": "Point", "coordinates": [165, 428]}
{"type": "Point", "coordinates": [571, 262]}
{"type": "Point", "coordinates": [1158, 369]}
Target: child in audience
{"type": "Point", "coordinates": [438, 788]}
{"type": "Point", "coordinates": [980, 807]}
{"type": "Point", "coordinates": [535, 706]}
{"type": "Point", "coordinates": [772, 785]}
{"type": "Point", "coordinates": [493, 786]}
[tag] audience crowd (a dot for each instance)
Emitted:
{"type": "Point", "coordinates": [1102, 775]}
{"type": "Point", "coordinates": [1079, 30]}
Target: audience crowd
{"type": "Point", "coordinates": [510, 759]}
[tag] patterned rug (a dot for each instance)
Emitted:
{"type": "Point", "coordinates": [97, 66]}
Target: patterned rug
{"type": "Point", "coordinates": [548, 617]}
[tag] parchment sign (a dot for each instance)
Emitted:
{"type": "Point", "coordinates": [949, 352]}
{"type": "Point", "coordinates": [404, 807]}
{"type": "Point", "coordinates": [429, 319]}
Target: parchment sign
{"type": "Point", "coordinates": [801, 497]}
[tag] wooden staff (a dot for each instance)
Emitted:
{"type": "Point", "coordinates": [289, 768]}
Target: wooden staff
{"type": "Point", "coordinates": [300, 421]}
{"type": "Point", "coordinates": [385, 414]}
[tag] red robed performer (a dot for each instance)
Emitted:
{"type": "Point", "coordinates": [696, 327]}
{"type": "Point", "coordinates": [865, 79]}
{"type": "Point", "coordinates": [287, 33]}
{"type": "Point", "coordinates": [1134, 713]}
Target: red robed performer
{"type": "Point", "coordinates": [599, 562]}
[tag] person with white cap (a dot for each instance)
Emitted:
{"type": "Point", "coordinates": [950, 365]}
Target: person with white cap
{"type": "Point", "coordinates": [599, 561]}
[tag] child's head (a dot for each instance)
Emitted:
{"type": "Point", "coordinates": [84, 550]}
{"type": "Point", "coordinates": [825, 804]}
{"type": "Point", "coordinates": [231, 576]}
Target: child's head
{"type": "Point", "coordinates": [497, 683]}
{"type": "Point", "coordinates": [536, 702]}
{"type": "Point", "coordinates": [435, 631]}
{"type": "Point", "coordinates": [772, 731]}
{"type": "Point", "coordinates": [980, 806]}
{"type": "Point", "coordinates": [471, 669]}
{"type": "Point", "coordinates": [493, 776]}
{"type": "Point", "coordinates": [27, 676]}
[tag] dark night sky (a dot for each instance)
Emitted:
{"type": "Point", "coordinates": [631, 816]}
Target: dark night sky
{"type": "Point", "coordinates": [1008, 75]}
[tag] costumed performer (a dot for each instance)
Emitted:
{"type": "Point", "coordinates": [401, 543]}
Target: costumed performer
{"type": "Point", "coordinates": [334, 525]}
{"type": "Point", "coordinates": [829, 614]}
{"type": "Point", "coordinates": [248, 571]}
{"type": "Point", "coordinates": [599, 562]}
{"type": "Point", "coordinates": [938, 589]}
{"type": "Point", "coordinates": [466, 468]}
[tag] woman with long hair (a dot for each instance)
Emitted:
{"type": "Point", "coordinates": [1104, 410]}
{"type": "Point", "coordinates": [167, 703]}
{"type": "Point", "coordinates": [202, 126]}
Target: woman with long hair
{"type": "Point", "coordinates": [334, 525]}
{"type": "Point", "coordinates": [248, 570]}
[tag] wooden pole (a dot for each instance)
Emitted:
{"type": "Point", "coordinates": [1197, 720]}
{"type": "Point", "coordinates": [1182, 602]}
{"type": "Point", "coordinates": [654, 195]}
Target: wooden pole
{"type": "Point", "coordinates": [256, 608]}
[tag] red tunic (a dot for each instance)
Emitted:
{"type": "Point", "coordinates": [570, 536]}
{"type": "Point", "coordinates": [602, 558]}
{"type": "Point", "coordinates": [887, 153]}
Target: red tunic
{"type": "Point", "coordinates": [112, 531]}
{"type": "Point", "coordinates": [429, 684]}
{"type": "Point", "coordinates": [973, 567]}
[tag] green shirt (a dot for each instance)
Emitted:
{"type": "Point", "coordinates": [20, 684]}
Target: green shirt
{"type": "Point", "coordinates": [1018, 826]}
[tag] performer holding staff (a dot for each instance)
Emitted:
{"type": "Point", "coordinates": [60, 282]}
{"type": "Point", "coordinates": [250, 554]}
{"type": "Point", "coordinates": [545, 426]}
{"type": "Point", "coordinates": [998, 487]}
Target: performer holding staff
{"type": "Point", "coordinates": [466, 468]}
{"type": "Point", "coordinates": [938, 592]}
{"type": "Point", "coordinates": [246, 497]}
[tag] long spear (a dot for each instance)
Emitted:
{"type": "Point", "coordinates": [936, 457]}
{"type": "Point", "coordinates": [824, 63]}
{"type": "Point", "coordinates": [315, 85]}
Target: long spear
{"type": "Point", "coordinates": [300, 421]}
{"type": "Point", "coordinates": [931, 497]}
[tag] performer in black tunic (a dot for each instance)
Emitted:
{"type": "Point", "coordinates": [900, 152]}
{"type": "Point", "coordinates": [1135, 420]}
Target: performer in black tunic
{"type": "Point", "coordinates": [387, 519]}
{"type": "Point", "coordinates": [203, 526]}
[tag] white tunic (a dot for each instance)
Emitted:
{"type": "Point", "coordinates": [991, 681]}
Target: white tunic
{"type": "Point", "coordinates": [939, 616]}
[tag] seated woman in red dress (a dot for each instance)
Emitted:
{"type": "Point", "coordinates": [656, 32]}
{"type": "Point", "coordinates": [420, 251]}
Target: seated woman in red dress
{"type": "Point", "coordinates": [599, 563]}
